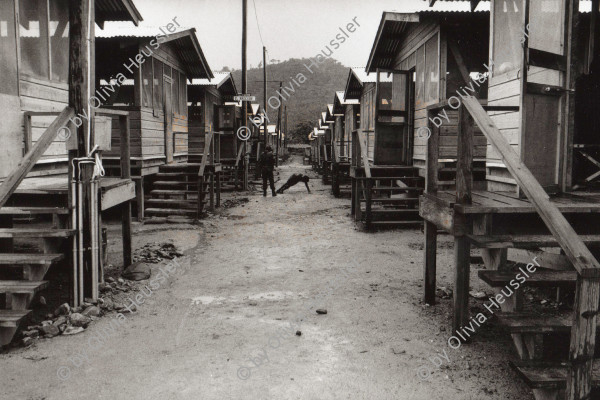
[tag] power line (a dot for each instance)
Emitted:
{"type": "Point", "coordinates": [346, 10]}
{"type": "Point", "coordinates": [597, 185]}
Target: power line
{"type": "Point", "coordinates": [257, 24]}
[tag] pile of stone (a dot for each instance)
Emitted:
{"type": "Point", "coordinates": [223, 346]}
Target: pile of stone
{"type": "Point", "coordinates": [67, 320]}
{"type": "Point", "coordinates": [230, 203]}
{"type": "Point", "coordinates": [156, 252]}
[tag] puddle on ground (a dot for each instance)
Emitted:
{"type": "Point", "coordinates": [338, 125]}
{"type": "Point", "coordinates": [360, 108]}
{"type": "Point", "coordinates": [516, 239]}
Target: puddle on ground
{"type": "Point", "coordinates": [271, 296]}
{"type": "Point", "coordinates": [204, 300]}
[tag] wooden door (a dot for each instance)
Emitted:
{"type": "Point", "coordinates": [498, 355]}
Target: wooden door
{"type": "Point", "coordinates": [543, 88]}
{"type": "Point", "coordinates": [168, 95]}
{"type": "Point", "coordinates": [392, 122]}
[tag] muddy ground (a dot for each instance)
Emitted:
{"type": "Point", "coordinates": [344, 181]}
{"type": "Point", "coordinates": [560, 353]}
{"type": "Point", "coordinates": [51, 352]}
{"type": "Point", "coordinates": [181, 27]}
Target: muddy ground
{"type": "Point", "coordinates": [236, 318]}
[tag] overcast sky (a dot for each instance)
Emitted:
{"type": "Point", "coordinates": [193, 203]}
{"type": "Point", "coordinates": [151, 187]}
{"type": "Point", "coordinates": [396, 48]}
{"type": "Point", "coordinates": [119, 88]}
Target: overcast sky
{"type": "Point", "coordinates": [290, 28]}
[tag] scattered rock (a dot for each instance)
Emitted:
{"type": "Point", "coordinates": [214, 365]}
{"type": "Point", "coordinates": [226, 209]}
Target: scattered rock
{"type": "Point", "coordinates": [121, 281]}
{"type": "Point", "coordinates": [63, 309]}
{"type": "Point", "coordinates": [478, 295]}
{"type": "Point", "coordinates": [62, 320]}
{"type": "Point", "coordinates": [137, 272]}
{"type": "Point", "coordinates": [445, 293]}
{"type": "Point", "coordinates": [110, 279]}
{"type": "Point", "coordinates": [105, 287]}
{"type": "Point", "coordinates": [107, 304]}
{"type": "Point", "coordinates": [298, 333]}
{"type": "Point", "coordinates": [321, 311]}
{"type": "Point", "coordinates": [89, 300]}
{"type": "Point", "coordinates": [92, 311]}
{"type": "Point", "coordinates": [31, 334]}
{"type": "Point", "coordinates": [80, 320]}
{"type": "Point", "coordinates": [27, 341]}
{"type": "Point", "coordinates": [46, 323]}
{"type": "Point", "coordinates": [73, 330]}
{"type": "Point", "coordinates": [253, 303]}
{"type": "Point", "coordinates": [43, 300]}
{"type": "Point", "coordinates": [49, 331]}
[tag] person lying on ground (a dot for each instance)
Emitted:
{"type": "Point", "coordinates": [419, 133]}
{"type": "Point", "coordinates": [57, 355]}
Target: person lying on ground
{"type": "Point", "coordinates": [294, 179]}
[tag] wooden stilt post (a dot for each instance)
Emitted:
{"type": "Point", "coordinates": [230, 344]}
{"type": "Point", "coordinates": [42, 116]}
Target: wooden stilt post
{"type": "Point", "coordinates": [81, 88]}
{"type": "Point", "coordinates": [462, 247]}
{"type": "Point", "coordinates": [126, 174]}
{"type": "Point", "coordinates": [430, 248]}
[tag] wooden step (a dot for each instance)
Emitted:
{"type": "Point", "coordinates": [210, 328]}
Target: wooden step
{"type": "Point", "coordinates": [395, 224]}
{"type": "Point", "coordinates": [12, 318]}
{"type": "Point", "coordinates": [22, 287]}
{"type": "Point", "coordinates": [174, 183]}
{"type": "Point", "coordinates": [538, 278]}
{"type": "Point", "coordinates": [174, 192]}
{"type": "Point", "coordinates": [393, 201]}
{"type": "Point", "coordinates": [176, 174]}
{"type": "Point", "coordinates": [530, 323]}
{"type": "Point", "coordinates": [524, 242]}
{"type": "Point", "coordinates": [163, 212]}
{"type": "Point", "coordinates": [395, 178]}
{"type": "Point", "coordinates": [540, 375]}
{"type": "Point", "coordinates": [179, 167]}
{"type": "Point", "coordinates": [172, 203]}
{"type": "Point", "coordinates": [392, 215]}
{"type": "Point", "coordinates": [6, 233]}
{"type": "Point", "coordinates": [28, 259]}
{"type": "Point", "coordinates": [33, 211]}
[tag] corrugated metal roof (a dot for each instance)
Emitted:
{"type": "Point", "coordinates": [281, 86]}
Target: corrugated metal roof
{"type": "Point", "coordinates": [388, 39]}
{"type": "Point", "coordinates": [116, 10]}
{"type": "Point", "coordinates": [185, 43]}
{"type": "Point", "coordinates": [357, 77]}
{"type": "Point", "coordinates": [219, 79]}
{"type": "Point", "coordinates": [339, 102]}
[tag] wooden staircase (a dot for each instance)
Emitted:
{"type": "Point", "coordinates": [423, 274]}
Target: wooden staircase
{"type": "Point", "coordinates": [550, 371]}
{"type": "Point", "coordinates": [22, 273]}
{"type": "Point", "coordinates": [387, 199]}
{"type": "Point", "coordinates": [341, 183]}
{"type": "Point", "coordinates": [175, 192]}
{"type": "Point", "coordinates": [542, 366]}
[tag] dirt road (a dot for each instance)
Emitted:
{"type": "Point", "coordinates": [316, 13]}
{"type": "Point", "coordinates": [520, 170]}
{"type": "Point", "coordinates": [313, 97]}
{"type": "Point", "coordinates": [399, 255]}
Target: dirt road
{"type": "Point", "coordinates": [224, 324]}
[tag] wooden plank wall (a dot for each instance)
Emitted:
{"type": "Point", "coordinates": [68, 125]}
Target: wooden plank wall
{"type": "Point", "coordinates": [414, 39]}
{"type": "Point", "coordinates": [367, 116]}
{"type": "Point", "coordinates": [503, 91]}
{"type": "Point", "coordinates": [350, 123]}
{"type": "Point", "coordinates": [37, 95]}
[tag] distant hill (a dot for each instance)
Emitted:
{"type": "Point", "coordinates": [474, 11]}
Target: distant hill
{"type": "Point", "coordinates": [310, 97]}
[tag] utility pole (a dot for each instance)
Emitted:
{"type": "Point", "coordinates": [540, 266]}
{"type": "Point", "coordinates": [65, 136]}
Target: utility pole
{"type": "Point", "coordinates": [279, 115]}
{"type": "Point", "coordinates": [245, 82]}
{"type": "Point", "coordinates": [265, 90]}
{"type": "Point", "coordinates": [285, 128]}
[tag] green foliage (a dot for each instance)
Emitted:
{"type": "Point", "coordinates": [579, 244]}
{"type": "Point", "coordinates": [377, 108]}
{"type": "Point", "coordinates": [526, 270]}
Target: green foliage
{"type": "Point", "coordinates": [304, 101]}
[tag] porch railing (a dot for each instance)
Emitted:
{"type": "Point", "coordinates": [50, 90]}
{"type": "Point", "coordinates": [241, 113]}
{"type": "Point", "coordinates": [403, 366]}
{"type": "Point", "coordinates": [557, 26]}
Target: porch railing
{"type": "Point", "coordinates": [587, 296]}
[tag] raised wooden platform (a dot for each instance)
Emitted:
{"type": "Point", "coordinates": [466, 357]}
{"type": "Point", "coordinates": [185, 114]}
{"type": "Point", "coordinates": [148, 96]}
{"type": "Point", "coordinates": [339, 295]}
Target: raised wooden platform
{"type": "Point", "coordinates": [115, 191]}
{"type": "Point", "coordinates": [485, 202]}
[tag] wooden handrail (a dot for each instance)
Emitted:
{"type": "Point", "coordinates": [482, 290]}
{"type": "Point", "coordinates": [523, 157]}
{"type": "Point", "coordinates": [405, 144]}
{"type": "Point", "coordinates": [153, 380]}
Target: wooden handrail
{"type": "Point", "coordinates": [577, 252]}
{"type": "Point", "coordinates": [362, 141]}
{"type": "Point", "coordinates": [587, 294]}
{"type": "Point", "coordinates": [239, 156]}
{"type": "Point", "coordinates": [18, 174]}
{"type": "Point", "coordinates": [207, 142]}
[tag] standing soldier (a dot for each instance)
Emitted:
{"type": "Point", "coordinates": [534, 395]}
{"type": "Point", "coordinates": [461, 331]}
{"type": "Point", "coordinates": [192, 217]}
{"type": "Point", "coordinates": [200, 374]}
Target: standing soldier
{"type": "Point", "coordinates": [266, 163]}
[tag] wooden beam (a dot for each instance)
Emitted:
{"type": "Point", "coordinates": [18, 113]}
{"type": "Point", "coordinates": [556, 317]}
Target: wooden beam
{"type": "Point", "coordinates": [18, 174]}
{"type": "Point", "coordinates": [583, 260]}
{"type": "Point", "coordinates": [464, 71]}
{"type": "Point", "coordinates": [125, 147]}
{"type": "Point", "coordinates": [362, 141]}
